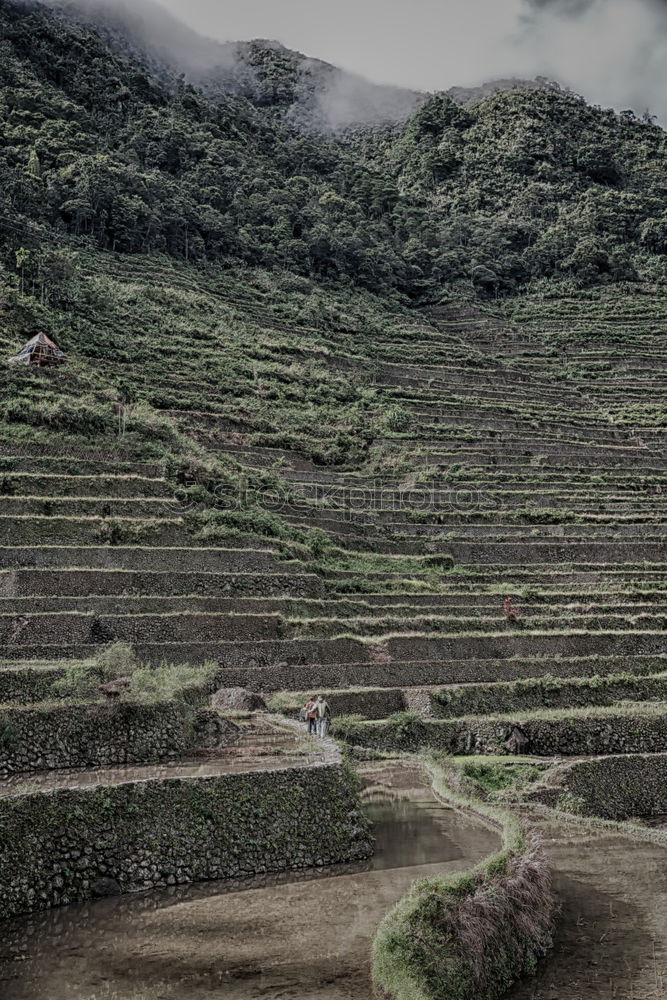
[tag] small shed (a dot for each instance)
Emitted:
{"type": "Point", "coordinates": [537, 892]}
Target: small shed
{"type": "Point", "coordinates": [39, 351]}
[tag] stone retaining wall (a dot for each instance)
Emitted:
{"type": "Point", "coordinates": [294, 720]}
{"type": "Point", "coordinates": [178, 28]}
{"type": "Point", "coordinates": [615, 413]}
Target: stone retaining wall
{"type": "Point", "coordinates": [74, 628]}
{"type": "Point", "coordinates": [51, 736]}
{"type": "Point", "coordinates": [372, 704]}
{"type": "Point", "coordinates": [524, 553]}
{"type": "Point", "coordinates": [108, 507]}
{"type": "Point", "coordinates": [83, 582]}
{"type": "Point", "coordinates": [26, 685]}
{"type": "Point", "coordinates": [246, 655]}
{"type": "Point", "coordinates": [70, 530]}
{"type": "Point", "coordinates": [568, 644]}
{"type": "Point", "coordinates": [70, 845]}
{"type": "Point", "coordinates": [567, 735]}
{"type": "Point", "coordinates": [137, 557]}
{"type": "Point", "coordinates": [617, 788]}
{"type": "Point", "coordinates": [285, 677]}
{"type": "Point", "coordinates": [476, 699]}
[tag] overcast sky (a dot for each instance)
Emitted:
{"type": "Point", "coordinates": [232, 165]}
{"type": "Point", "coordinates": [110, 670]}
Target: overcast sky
{"type": "Point", "coordinates": [612, 51]}
{"type": "Point", "coordinates": [426, 44]}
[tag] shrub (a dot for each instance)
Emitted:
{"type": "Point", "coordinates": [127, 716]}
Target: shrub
{"type": "Point", "coordinates": [9, 735]}
{"type": "Point", "coordinates": [172, 682]}
{"type": "Point", "coordinates": [397, 419]}
{"type": "Point", "coordinates": [405, 730]}
{"type": "Point", "coordinates": [84, 679]}
{"type": "Point", "coordinates": [489, 778]}
{"type": "Point", "coordinates": [344, 726]}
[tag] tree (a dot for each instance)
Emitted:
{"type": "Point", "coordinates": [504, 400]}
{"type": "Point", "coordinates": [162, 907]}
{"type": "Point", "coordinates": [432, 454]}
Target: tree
{"type": "Point", "coordinates": [34, 167]}
{"type": "Point", "coordinates": [23, 259]}
{"type": "Point", "coordinates": [653, 235]}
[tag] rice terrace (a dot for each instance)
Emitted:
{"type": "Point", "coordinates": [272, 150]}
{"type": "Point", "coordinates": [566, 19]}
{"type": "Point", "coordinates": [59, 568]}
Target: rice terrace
{"type": "Point", "coordinates": [333, 495]}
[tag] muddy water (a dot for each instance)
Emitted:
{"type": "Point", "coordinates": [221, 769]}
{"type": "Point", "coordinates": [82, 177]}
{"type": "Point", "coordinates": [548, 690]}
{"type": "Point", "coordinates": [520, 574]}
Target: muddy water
{"type": "Point", "coordinates": [281, 938]}
{"type": "Point", "coordinates": [611, 941]}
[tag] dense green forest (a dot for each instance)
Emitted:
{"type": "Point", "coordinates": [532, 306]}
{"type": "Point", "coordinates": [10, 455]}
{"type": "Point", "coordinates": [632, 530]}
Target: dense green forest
{"type": "Point", "coordinates": [527, 188]}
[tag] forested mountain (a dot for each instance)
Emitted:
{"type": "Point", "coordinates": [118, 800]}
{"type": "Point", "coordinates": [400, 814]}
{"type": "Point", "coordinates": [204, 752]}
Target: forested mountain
{"type": "Point", "coordinates": [526, 186]}
{"type": "Point", "coordinates": [308, 92]}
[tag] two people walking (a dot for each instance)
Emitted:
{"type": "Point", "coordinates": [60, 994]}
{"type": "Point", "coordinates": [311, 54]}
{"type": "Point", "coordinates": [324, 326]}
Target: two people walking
{"type": "Point", "coordinates": [318, 716]}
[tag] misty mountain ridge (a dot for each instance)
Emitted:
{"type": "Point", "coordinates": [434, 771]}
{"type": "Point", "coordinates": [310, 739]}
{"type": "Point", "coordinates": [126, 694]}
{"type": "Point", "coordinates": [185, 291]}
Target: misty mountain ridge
{"type": "Point", "coordinates": [311, 93]}
{"type": "Point", "coordinates": [513, 187]}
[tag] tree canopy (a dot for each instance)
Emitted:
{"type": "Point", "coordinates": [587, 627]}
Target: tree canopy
{"type": "Point", "coordinates": [528, 186]}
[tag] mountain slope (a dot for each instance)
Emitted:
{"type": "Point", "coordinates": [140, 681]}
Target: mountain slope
{"type": "Point", "coordinates": [309, 92]}
{"type": "Point", "coordinates": [525, 189]}
{"type": "Point", "coordinates": [329, 404]}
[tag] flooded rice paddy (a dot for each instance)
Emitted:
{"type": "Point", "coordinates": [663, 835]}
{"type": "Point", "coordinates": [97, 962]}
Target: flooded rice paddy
{"type": "Point", "coordinates": [293, 936]}
{"type": "Point", "coordinates": [307, 935]}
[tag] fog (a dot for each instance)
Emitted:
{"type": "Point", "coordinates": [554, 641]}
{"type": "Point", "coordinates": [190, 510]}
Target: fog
{"type": "Point", "coordinates": [612, 51]}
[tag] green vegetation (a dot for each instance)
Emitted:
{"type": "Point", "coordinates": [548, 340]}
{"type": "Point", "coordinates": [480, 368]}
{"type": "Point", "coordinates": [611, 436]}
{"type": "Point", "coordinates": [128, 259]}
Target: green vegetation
{"type": "Point", "coordinates": [85, 679]}
{"type": "Point", "coordinates": [472, 935]}
{"type": "Point", "coordinates": [330, 400]}
{"type": "Point", "coordinates": [625, 728]}
{"type": "Point", "coordinates": [117, 670]}
{"type": "Point", "coordinates": [489, 777]}
{"type": "Point", "coordinates": [102, 152]}
{"type": "Point", "coordinates": [548, 692]}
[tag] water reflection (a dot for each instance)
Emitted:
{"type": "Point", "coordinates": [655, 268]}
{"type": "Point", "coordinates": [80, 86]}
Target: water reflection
{"type": "Point", "coordinates": [292, 935]}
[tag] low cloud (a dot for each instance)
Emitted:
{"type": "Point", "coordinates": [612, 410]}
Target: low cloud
{"type": "Point", "coordinates": [614, 52]}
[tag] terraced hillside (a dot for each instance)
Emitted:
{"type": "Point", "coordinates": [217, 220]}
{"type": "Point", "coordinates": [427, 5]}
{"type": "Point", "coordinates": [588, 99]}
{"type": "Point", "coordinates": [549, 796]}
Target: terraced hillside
{"type": "Point", "coordinates": [330, 492]}
{"type": "Point", "coordinates": [377, 413]}
{"type": "Point", "coordinates": [367, 539]}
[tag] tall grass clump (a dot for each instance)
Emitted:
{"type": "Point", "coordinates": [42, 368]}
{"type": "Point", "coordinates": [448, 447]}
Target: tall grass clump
{"type": "Point", "coordinates": [470, 936]}
{"type": "Point", "coordinates": [85, 679]}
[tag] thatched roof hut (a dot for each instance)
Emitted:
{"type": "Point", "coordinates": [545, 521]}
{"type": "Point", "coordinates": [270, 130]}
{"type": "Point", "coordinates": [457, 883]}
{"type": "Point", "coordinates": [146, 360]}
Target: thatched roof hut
{"type": "Point", "coordinates": [39, 351]}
